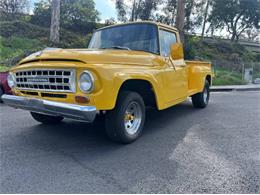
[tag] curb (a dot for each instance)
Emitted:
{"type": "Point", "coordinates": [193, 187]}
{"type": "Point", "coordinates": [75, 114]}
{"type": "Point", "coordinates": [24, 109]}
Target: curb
{"type": "Point", "coordinates": [230, 89]}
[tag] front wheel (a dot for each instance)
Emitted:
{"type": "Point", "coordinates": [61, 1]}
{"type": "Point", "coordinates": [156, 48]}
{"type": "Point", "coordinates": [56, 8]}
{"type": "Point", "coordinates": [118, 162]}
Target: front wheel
{"type": "Point", "coordinates": [125, 122]}
{"type": "Point", "coordinates": [46, 119]}
{"type": "Point", "coordinates": [201, 100]}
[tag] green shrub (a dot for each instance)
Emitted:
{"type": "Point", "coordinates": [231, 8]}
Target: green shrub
{"type": "Point", "coordinates": [17, 46]}
{"type": "Point", "coordinates": [23, 29]}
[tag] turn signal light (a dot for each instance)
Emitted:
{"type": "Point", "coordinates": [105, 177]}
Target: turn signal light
{"type": "Point", "coordinates": [81, 99]}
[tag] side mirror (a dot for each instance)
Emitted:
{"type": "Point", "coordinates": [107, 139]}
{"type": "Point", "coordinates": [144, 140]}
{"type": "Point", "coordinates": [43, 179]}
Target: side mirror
{"type": "Point", "coordinates": [177, 51]}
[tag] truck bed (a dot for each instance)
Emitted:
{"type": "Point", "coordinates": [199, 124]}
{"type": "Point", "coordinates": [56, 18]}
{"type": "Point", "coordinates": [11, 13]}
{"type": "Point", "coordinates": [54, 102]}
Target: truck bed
{"type": "Point", "coordinates": [197, 72]}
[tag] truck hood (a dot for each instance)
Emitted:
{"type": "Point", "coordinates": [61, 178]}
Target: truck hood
{"type": "Point", "coordinates": [105, 56]}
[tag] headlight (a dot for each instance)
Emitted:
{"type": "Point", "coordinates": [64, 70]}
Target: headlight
{"type": "Point", "coordinates": [11, 80]}
{"type": "Point", "coordinates": [86, 82]}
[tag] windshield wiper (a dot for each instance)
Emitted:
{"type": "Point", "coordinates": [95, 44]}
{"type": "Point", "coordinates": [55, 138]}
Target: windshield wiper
{"type": "Point", "coordinates": [117, 47]}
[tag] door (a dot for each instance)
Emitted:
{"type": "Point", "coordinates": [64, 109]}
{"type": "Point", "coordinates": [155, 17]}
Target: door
{"type": "Point", "coordinates": [175, 72]}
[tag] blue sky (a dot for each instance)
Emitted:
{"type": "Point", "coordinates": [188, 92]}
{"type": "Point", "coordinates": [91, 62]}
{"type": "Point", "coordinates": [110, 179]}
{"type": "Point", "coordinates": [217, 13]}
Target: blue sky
{"type": "Point", "coordinates": [106, 9]}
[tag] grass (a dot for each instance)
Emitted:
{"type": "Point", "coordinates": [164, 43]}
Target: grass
{"type": "Point", "coordinates": [17, 46]}
{"type": "Point", "coordinates": [19, 39]}
{"type": "Point", "coordinates": [225, 77]}
{"type": "Point", "coordinates": [3, 68]}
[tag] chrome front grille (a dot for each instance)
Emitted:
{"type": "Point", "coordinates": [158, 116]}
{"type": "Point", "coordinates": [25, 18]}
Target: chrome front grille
{"type": "Point", "coordinates": [53, 80]}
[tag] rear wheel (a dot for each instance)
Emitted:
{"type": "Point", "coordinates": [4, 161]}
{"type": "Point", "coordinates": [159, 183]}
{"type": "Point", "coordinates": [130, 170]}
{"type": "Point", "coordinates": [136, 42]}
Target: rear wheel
{"type": "Point", "coordinates": [201, 100]}
{"type": "Point", "coordinates": [125, 122]}
{"type": "Point", "coordinates": [46, 119]}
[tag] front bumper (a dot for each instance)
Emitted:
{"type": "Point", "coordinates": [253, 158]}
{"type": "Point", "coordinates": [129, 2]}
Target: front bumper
{"type": "Point", "coordinates": [72, 111]}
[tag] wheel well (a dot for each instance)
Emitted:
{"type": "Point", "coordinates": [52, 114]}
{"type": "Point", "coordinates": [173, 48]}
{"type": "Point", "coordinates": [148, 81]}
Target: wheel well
{"type": "Point", "coordinates": [208, 78]}
{"type": "Point", "coordinates": [142, 87]}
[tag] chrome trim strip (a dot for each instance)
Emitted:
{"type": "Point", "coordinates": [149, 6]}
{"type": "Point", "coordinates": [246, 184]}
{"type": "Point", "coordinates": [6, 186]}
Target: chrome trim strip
{"type": "Point", "coordinates": [72, 111]}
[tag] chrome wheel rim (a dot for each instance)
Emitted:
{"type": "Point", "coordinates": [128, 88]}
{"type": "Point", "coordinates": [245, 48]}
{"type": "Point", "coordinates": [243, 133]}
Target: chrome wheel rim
{"type": "Point", "coordinates": [205, 95]}
{"type": "Point", "coordinates": [132, 118]}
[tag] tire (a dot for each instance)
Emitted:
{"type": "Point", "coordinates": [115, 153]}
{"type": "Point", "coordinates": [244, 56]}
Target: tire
{"type": "Point", "coordinates": [1, 93]}
{"type": "Point", "coordinates": [124, 124]}
{"type": "Point", "coordinates": [46, 119]}
{"type": "Point", "coordinates": [201, 100]}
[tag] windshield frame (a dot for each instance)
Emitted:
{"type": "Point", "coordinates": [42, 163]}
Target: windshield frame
{"type": "Point", "coordinates": [135, 23]}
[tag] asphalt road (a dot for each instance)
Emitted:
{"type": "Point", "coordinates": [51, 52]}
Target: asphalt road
{"type": "Point", "coordinates": [182, 150]}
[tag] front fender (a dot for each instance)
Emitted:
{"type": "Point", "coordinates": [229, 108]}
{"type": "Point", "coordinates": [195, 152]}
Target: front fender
{"type": "Point", "coordinates": [106, 98]}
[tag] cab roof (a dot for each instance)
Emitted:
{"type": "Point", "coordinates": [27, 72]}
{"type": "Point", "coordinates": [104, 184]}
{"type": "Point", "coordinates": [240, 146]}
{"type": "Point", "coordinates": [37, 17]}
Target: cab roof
{"type": "Point", "coordinates": [142, 22]}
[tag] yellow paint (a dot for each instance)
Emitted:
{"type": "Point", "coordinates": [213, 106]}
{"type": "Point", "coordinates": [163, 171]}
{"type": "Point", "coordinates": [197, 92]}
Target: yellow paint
{"type": "Point", "coordinates": [172, 80]}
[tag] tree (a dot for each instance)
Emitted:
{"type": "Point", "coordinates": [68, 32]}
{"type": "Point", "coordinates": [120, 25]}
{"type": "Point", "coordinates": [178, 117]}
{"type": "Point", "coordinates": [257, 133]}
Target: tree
{"type": "Point", "coordinates": [193, 14]}
{"type": "Point", "coordinates": [121, 13]}
{"type": "Point", "coordinates": [251, 35]}
{"type": "Point", "coordinates": [11, 9]}
{"type": "Point", "coordinates": [180, 18]}
{"type": "Point", "coordinates": [172, 8]}
{"type": "Point", "coordinates": [76, 15]}
{"type": "Point", "coordinates": [168, 13]}
{"type": "Point", "coordinates": [55, 22]}
{"type": "Point", "coordinates": [42, 13]}
{"type": "Point", "coordinates": [188, 24]}
{"type": "Point", "coordinates": [79, 15]}
{"type": "Point", "coordinates": [110, 21]}
{"type": "Point", "coordinates": [235, 15]}
{"type": "Point", "coordinates": [13, 6]}
{"type": "Point", "coordinates": [133, 10]}
{"type": "Point", "coordinates": [148, 6]}
{"type": "Point", "coordinates": [205, 17]}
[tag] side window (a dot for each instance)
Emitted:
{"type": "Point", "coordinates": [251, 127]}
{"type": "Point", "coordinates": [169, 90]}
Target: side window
{"type": "Point", "coordinates": [166, 40]}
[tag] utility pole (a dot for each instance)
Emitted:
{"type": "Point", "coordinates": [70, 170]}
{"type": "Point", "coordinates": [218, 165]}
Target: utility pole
{"type": "Point", "coordinates": [180, 18]}
{"type": "Point", "coordinates": [55, 22]}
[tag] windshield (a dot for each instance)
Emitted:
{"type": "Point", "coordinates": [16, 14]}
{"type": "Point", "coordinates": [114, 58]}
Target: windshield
{"type": "Point", "coordinates": [141, 37]}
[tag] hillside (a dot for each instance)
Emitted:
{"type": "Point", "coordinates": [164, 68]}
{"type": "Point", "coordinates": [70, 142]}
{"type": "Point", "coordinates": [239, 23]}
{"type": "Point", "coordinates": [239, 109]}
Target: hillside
{"type": "Point", "coordinates": [19, 39]}
{"type": "Point", "coordinates": [229, 60]}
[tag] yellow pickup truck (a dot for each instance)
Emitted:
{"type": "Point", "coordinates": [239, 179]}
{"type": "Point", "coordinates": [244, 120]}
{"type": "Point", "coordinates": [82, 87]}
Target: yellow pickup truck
{"type": "Point", "coordinates": [126, 68]}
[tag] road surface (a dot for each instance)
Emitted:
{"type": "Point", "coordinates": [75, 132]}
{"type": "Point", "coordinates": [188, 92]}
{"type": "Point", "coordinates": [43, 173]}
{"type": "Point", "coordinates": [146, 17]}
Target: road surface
{"type": "Point", "coordinates": [182, 150]}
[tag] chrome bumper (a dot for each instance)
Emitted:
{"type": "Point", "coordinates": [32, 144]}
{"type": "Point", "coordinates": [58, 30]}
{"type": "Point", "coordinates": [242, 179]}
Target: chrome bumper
{"type": "Point", "coordinates": [72, 111]}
